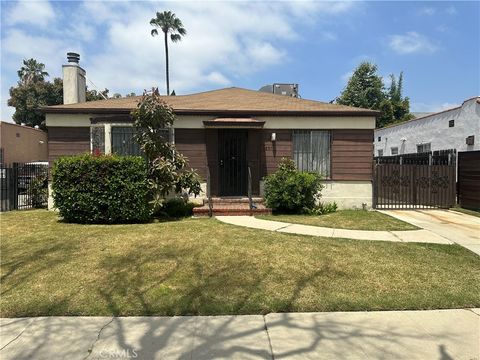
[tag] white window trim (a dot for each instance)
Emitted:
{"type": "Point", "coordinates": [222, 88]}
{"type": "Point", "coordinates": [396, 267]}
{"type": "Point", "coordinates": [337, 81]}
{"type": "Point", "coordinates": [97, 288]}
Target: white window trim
{"type": "Point", "coordinates": [108, 135]}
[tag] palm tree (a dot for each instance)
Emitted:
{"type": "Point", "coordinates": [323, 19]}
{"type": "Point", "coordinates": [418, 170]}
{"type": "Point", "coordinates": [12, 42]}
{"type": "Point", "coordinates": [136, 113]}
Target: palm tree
{"type": "Point", "coordinates": [32, 71]}
{"type": "Point", "coordinates": [169, 24]}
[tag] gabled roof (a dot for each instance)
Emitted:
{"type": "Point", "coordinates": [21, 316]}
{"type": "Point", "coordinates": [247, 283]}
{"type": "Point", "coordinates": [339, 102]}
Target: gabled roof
{"type": "Point", "coordinates": [223, 101]}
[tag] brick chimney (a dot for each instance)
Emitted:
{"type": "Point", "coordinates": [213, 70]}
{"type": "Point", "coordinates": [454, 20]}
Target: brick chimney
{"type": "Point", "coordinates": [74, 81]}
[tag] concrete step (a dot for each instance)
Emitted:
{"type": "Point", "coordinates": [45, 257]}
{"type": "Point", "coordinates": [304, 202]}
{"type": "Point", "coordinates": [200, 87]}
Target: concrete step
{"type": "Point", "coordinates": [231, 208]}
{"type": "Point", "coordinates": [235, 200]}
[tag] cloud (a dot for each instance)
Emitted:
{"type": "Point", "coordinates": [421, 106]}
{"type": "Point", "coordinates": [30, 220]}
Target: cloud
{"type": "Point", "coordinates": [346, 77]}
{"type": "Point", "coordinates": [432, 107]}
{"type": "Point", "coordinates": [412, 42]}
{"type": "Point", "coordinates": [429, 11]}
{"type": "Point", "coordinates": [451, 10]}
{"type": "Point", "coordinates": [226, 41]}
{"type": "Point", "coordinates": [39, 13]}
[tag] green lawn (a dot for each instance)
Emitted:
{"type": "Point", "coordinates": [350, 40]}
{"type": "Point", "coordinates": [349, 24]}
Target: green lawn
{"type": "Point", "coordinates": [466, 211]}
{"type": "Point", "coordinates": [346, 219]}
{"type": "Point", "coordinates": [204, 267]}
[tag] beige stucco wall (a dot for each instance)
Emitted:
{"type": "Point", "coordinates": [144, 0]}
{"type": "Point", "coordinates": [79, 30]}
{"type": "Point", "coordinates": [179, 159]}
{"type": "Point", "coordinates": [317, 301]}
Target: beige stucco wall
{"type": "Point", "coordinates": [291, 122]}
{"type": "Point", "coordinates": [22, 143]}
{"type": "Point", "coordinates": [68, 120]}
{"type": "Point", "coordinates": [348, 194]}
{"type": "Point", "coordinates": [271, 122]}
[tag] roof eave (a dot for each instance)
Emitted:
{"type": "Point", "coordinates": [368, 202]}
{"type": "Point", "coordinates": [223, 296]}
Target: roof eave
{"type": "Point", "coordinates": [52, 110]}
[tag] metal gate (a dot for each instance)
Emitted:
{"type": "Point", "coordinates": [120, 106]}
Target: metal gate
{"type": "Point", "coordinates": [415, 181]}
{"type": "Point", "coordinates": [23, 186]}
{"type": "Point", "coordinates": [232, 156]}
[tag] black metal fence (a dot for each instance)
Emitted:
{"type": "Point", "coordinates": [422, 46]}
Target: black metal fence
{"type": "Point", "coordinates": [415, 181]}
{"type": "Point", "coordinates": [440, 157]}
{"type": "Point", "coordinates": [23, 186]}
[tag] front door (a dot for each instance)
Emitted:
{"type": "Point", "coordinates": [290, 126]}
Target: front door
{"type": "Point", "coordinates": [232, 162]}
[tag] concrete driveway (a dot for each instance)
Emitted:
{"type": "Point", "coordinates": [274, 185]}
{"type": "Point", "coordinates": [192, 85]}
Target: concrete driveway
{"type": "Point", "coordinates": [457, 227]}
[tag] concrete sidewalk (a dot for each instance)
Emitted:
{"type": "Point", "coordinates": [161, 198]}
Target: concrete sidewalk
{"type": "Point", "coordinates": [436, 334]}
{"type": "Point", "coordinates": [422, 235]}
{"type": "Point", "coordinates": [460, 228]}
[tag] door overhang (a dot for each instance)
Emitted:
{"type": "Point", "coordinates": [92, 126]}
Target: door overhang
{"type": "Point", "coordinates": [234, 123]}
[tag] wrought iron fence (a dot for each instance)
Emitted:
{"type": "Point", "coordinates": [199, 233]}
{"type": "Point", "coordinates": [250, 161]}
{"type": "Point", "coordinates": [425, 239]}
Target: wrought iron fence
{"type": "Point", "coordinates": [439, 157]}
{"type": "Point", "coordinates": [23, 186]}
{"type": "Point", "coordinates": [415, 181]}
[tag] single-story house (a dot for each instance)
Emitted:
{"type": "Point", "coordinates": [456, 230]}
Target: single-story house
{"type": "Point", "coordinates": [228, 132]}
{"type": "Point", "coordinates": [456, 128]}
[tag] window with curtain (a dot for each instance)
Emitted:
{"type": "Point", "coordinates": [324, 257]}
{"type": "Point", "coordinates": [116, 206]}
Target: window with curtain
{"type": "Point", "coordinates": [311, 151]}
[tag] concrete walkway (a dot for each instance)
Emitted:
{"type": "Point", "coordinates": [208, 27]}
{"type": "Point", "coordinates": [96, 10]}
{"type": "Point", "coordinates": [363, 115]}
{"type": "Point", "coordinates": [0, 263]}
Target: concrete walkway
{"type": "Point", "coordinates": [460, 228]}
{"type": "Point", "coordinates": [437, 334]}
{"type": "Point", "coordinates": [424, 236]}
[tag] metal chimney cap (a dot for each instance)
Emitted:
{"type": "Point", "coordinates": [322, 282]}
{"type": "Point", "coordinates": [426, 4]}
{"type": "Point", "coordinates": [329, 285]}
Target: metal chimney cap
{"type": "Point", "coordinates": [73, 57]}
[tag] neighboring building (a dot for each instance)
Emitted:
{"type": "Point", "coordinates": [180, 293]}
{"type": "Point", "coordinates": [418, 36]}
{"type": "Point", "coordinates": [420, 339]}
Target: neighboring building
{"type": "Point", "coordinates": [281, 89]}
{"type": "Point", "coordinates": [224, 132]}
{"type": "Point", "coordinates": [20, 143]}
{"type": "Point", "coordinates": [457, 128]}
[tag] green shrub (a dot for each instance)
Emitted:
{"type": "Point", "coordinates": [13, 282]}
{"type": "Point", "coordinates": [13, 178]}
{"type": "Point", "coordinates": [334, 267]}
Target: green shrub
{"type": "Point", "coordinates": [101, 189]}
{"type": "Point", "coordinates": [177, 208]}
{"type": "Point", "coordinates": [291, 191]}
{"type": "Point", "coordinates": [38, 189]}
{"type": "Point", "coordinates": [324, 208]}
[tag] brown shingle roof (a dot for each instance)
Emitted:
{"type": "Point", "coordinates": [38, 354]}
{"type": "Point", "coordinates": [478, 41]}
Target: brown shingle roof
{"type": "Point", "coordinates": [223, 101]}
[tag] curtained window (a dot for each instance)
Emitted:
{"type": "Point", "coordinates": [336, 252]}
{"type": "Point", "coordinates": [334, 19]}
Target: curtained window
{"type": "Point", "coordinates": [311, 151]}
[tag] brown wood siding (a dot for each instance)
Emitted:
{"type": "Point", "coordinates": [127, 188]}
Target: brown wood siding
{"type": "Point", "coordinates": [272, 152]}
{"type": "Point", "coordinates": [352, 154]}
{"type": "Point", "coordinates": [211, 138]}
{"type": "Point", "coordinates": [253, 158]}
{"type": "Point", "coordinates": [469, 179]}
{"type": "Point", "coordinates": [191, 143]}
{"type": "Point", "coordinates": [64, 141]}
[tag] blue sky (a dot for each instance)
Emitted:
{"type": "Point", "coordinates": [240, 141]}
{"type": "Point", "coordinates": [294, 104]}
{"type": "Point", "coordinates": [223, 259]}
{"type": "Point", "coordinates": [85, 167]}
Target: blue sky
{"type": "Point", "coordinates": [250, 44]}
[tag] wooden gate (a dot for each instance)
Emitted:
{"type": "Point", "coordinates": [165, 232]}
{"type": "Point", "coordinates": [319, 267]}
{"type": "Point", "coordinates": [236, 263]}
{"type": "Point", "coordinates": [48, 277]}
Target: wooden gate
{"type": "Point", "coordinates": [416, 181]}
{"type": "Point", "coordinates": [469, 179]}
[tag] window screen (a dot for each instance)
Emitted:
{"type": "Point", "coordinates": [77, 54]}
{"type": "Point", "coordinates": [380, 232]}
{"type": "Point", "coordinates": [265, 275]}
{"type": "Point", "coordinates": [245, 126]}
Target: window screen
{"type": "Point", "coordinates": [97, 135]}
{"type": "Point", "coordinates": [394, 151]}
{"type": "Point", "coordinates": [311, 151]}
{"type": "Point", "coordinates": [421, 148]}
{"type": "Point", "coordinates": [123, 142]}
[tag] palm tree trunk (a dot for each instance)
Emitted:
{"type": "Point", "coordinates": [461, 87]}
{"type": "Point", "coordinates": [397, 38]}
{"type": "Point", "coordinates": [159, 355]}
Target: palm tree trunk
{"type": "Point", "coordinates": [166, 64]}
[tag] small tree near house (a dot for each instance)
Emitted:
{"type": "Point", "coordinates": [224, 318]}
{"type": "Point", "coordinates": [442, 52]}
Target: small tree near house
{"type": "Point", "coordinates": [153, 118]}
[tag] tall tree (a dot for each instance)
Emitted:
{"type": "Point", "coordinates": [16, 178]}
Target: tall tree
{"type": "Point", "coordinates": [168, 23]}
{"type": "Point", "coordinates": [32, 71]}
{"type": "Point", "coordinates": [29, 98]}
{"type": "Point", "coordinates": [33, 92]}
{"type": "Point", "coordinates": [364, 89]}
{"type": "Point", "coordinates": [153, 118]}
{"type": "Point", "coordinates": [93, 95]}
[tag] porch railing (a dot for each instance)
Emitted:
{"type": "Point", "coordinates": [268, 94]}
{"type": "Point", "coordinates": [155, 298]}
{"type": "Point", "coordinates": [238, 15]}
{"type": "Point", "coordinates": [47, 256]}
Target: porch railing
{"type": "Point", "coordinates": [250, 200]}
{"type": "Point", "coordinates": [209, 194]}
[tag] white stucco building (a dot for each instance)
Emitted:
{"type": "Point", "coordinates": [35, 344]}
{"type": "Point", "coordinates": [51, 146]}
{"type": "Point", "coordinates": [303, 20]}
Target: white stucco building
{"type": "Point", "coordinates": [457, 128]}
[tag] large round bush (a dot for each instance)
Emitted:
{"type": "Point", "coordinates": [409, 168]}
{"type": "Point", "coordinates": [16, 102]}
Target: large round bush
{"type": "Point", "coordinates": [101, 189]}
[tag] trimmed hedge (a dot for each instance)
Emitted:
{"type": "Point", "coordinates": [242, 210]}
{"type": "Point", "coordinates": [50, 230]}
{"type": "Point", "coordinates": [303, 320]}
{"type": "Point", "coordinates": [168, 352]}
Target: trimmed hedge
{"type": "Point", "coordinates": [101, 189]}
